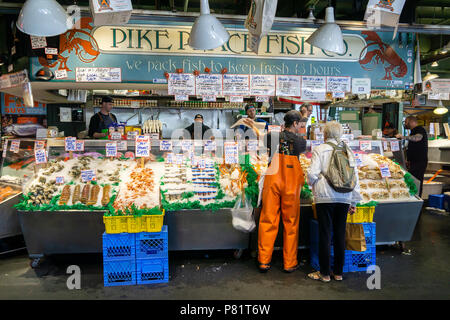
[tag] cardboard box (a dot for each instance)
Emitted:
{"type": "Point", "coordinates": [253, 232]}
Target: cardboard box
{"type": "Point", "coordinates": [110, 12]}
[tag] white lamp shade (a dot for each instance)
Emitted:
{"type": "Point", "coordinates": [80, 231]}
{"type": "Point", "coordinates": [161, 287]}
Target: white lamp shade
{"type": "Point", "coordinates": [207, 32]}
{"type": "Point", "coordinates": [440, 110]}
{"type": "Point", "coordinates": [44, 18]}
{"type": "Point", "coordinates": [430, 76]}
{"type": "Point", "coordinates": [329, 36]}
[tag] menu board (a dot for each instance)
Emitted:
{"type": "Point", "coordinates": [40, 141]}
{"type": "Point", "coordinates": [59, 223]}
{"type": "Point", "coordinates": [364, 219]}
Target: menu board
{"type": "Point", "coordinates": [98, 75]}
{"type": "Point", "coordinates": [339, 84]}
{"type": "Point", "coordinates": [288, 86]}
{"type": "Point", "coordinates": [208, 85]}
{"type": "Point", "coordinates": [313, 88]}
{"type": "Point", "coordinates": [231, 152]}
{"type": "Point", "coordinates": [236, 84]}
{"type": "Point", "coordinates": [181, 84]}
{"type": "Point", "coordinates": [262, 85]}
{"type": "Point", "coordinates": [70, 143]}
{"type": "Point", "coordinates": [40, 156]}
{"type": "Point", "coordinates": [142, 146]}
{"type": "Point", "coordinates": [111, 149]}
{"type": "Point", "coordinates": [361, 85]}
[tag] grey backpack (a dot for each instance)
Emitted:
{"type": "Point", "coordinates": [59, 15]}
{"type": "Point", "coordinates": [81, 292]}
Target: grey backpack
{"type": "Point", "coordinates": [340, 175]}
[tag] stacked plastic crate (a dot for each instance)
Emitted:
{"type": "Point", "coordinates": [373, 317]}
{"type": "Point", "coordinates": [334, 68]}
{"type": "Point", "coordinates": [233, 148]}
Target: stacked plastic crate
{"type": "Point", "coordinates": [354, 260]}
{"type": "Point", "coordinates": [119, 259]}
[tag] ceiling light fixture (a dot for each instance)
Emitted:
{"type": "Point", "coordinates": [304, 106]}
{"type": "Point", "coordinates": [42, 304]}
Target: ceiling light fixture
{"type": "Point", "coordinates": [430, 76]}
{"type": "Point", "coordinates": [440, 109]}
{"type": "Point", "coordinates": [311, 14]}
{"type": "Point", "coordinates": [329, 36]}
{"type": "Point", "coordinates": [207, 32]}
{"type": "Point", "coordinates": [434, 64]}
{"type": "Point", "coordinates": [44, 18]}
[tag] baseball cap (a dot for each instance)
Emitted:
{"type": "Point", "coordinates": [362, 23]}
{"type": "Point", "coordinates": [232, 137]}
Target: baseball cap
{"type": "Point", "coordinates": [198, 116]}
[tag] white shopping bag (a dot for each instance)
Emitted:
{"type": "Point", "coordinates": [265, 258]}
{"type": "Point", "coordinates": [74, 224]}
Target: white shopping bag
{"type": "Point", "coordinates": [259, 21]}
{"type": "Point", "coordinates": [243, 215]}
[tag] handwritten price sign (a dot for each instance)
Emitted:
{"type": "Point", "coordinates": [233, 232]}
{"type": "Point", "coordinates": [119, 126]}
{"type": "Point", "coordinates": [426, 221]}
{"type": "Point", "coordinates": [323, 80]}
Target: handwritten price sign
{"type": "Point", "coordinates": [165, 145]}
{"type": "Point", "coordinates": [87, 175]}
{"type": "Point", "coordinates": [384, 169]}
{"type": "Point", "coordinates": [365, 145]}
{"type": "Point", "coordinates": [15, 146]}
{"type": "Point", "coordinates": [79, 145]}
{"type": "Point", "coordinates": [70, 143]}
{"type": "Point", "coordinates": [40, 156]}
{"type": "Point", "coordinates": [210, 145]}
{"type": "Point", "coordinates": [39, 144]}
{"type": "Point", "coordinates": [231, 152]}
{"type": "Point", "coordinates": [60, 180]}
{"type": "Point", "coordinates": [142, 146]}
{"type": "Point", "coordinates": [111, 149]}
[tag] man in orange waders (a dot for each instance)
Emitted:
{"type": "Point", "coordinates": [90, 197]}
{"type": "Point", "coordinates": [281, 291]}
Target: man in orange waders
{"type": "Point", "coordinates": [281, 195]}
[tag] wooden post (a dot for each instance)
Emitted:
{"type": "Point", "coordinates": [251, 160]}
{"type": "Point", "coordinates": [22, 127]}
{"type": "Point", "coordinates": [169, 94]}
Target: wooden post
{"type": "Point", "coordinates": [142, 162]}
{"type": "Point", "coordinates": [71, 154]}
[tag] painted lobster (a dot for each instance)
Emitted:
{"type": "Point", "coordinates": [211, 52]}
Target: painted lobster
{"type": "Point", "coordinates": [86, 50]}
{"type": "Point", "coordinates": [384, 54]}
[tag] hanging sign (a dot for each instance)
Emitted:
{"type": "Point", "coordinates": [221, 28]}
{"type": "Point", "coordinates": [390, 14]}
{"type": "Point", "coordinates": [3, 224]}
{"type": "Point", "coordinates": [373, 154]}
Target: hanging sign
{"type": "Point", "coordinates": [79, 145]}
{"type": "Point", "coordinates": [165, 145]}
{"type": "Point", "coordinates": [437, 85]}
{"type": "Point", "coordinates": [395, 146]}
{"type": "Point", "coordinates": [252, 145]}
{"type": "Point", "coordinates": [208, 98]}
{"type": "Point", "coordinates": [88, 175]}
{"type": "Point", "coordinates": [38, 144]}
{"type": "Point", "coordinates": [59, 180]}
{"type": "Point", "coordinates": [236, 85]}
{"type": "Point", "coordinates": [338, 86]}
{"type": "Point", "coordinates": [262, 85]}
{"type": "Point", "coordinates": [236, 99]}
{"type": "Point", "coordinates": [365, 145]}
{"type": "Point", "coordinates": [361, 85]}
{"type": "Point", "coordinates": [210, 145]}
{"type": "Point", "coordinates": [70, 143]}
{"type": "Point", "coordinates": [181, 84]}
{"type": "Point", "coordinates": [142, 146]}
{"type": "Point", "coordinates": [208, 85]}
{"type": "Point", "coordinates": [288, 86]}
{"type": "Point", "coordinates": [231, 152]}
{"type": "Point", "coordinates": [38, 42]}
{"type": "Point", "coordinates": [111, 149]}
{"type": "Point", "coordinates": [40, 156]}
{"type": "Point", "coordinates": [122, 145]}
{"type": "Point", "coordinates": [98, 75]}
{"type": "Point", "coordinates": [262, 99]}
{"type": "Point", "coordinates": [313, 88]}
{"type": "Point", "coordinates": [384, 169]}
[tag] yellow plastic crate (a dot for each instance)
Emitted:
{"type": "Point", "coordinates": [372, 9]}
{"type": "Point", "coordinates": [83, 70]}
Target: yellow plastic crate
{"type": "Point", "coordinates": [116, 224]}
{"type": "Point", "coordinates": [132, 224]}
{"type": "Point", "coordinates": [361, 215]}
{"type": "Point", "coordinates": [152, 223]}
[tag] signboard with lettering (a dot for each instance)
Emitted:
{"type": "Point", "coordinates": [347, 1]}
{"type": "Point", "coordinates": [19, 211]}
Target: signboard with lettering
{"type": "Point", "coordinates": [40, 156]}
{"type": "Point", "coordinates": [88, 175]}
{"type": "Point", "coordinates": [208, 85]}
{"type": "Point", "coordinates": [181, 84]}
{"type": "Point", "coordinates": [210, 145]}
{"type": "Point", "coordinates": [365, 145]}
{"type": "Point", "coordinates": [231, 152]}
{"type": "Point", "coordinates": [313, 88]}
{"type": "Point", "coordinates": [79, 145]}
{"type": "Point", "coordinates": [236, 84]}
{"type": "Point", "coordinates": [384, 169]}
{"type": "Point", "coordinates": [15, 146]}
{"type": "Point", "coordinates": [70, 144]}
{"type": "Point", "coordinates": [288, 86]}
{"type": "Point", "coordinates": [111, 149]}
{"type": "Point", "coordinates": [142, 146]}
{"type": "Point", "coordinates": [262, 85]}
{"type": "Point", "coordinates": [98, 75]}
{"type": "Point", "coordinates": [15, 105]}
{"type": "Point", "coordinates": [165, 145]}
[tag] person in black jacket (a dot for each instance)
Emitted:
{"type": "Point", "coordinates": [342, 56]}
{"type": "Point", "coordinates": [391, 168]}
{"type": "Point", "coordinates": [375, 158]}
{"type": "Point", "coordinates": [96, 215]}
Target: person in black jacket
{"type": "Point", "coordinates": [197, 129]}
{"type": "Point", "coordinates": [102, 119]}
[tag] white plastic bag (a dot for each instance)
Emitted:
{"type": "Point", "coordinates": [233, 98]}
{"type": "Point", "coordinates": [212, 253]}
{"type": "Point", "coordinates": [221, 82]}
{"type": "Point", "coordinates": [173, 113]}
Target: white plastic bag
{"type": "Point", "coordinates": [243, 215]}
{"type": "Point", "coordinates": [259, 21]}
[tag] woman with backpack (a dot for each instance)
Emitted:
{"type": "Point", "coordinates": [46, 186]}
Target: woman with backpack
{"type": "Point", "coordinates": [334, 180]}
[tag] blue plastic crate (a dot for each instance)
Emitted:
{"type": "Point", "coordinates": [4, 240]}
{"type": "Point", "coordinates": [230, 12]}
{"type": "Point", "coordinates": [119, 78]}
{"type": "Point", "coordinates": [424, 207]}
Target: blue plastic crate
{"type": "Point", "coordinates": [436, 201]}
{"type": "Point", "coordinates": [152, 244]}
{"type": "Point", "coordinates": [120, 246]}
{"type": "Point", "coordinates": [119, 273]}
{"type": "Point", "coordinates": [152, 270]}
{"type": "Point", "coordinates": [446, 203]}
{"type": "Point", "coordinates": [356, 261]}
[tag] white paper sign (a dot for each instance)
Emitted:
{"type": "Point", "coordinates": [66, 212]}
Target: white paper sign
{"type": "Point", "coordinates": [65, 114]}
{"type": "Point", "coordinates": [165, 145]}
{"type": "Point", "coordinates": [358, 159]}
{"type": "Point", "coordinates": [262, 99]}
{"type": "Point", "coordinates": [202, 163]}
{"type": "Point", "coordinates": [437, 85]}
{"type": "Point", "coordinates": [438, 96]}
{"type": "Point", "coordinates": [186, 145]}
{"type": "Point", "coordinates": [236, 99]}
{"type": "Point", "coordinates": [5, 148]}
{"type": "Point", "coordinates": [209, 98]}
{"type": "Point", "coordinates": [170, 158]}
{"type": "Point", "coordinates": [365, 145]}
{"type": "Point", "coordinates": [252, 145]}
{"type": "Point", "coordinates": [384, 169]}
{"type": "Point", "coordinates": [236, 85]}
{"type": "Point", "coordinates": [274, 128]}
{"type": "Point", "coordinates": [181, 84]}
{"type": "Point", "coordinates": [208, 85]}
{"type": "Point", "coordinates": [348, 136]}
{"type": "Point", "coordinates": [432, 129]}
{"type": "Point", "coordinates": [262, 85]}
{"type": "Point", "coordinates": [88, 175]}
{"type": "Point", "coordinates": [51, 51]}
{"type": "Point", "coordinates": [115, 135]}
{"type": "Point", "coordinates": [179, 159]}
{"type": "Point", "coordinates": [122, 145]}
{"type": "Point", "coordinates": [70, 143]}
{"type": "Point", "coordinates": [98, 75]}
{"type": "Point", "coordinates": [395, 6]}
{"type": "Point", "coordinates": [385, 145]}
{"type": "Point", "coordinates": [395, 146]}
{"type": "Point", "coordinates": [79, 145]}
{"type": "Point", "coordinates": [38, 42]}
{"type": "Point", "coordinates": [131, 135]}
{"type": "Point", "coordinates": [288, 86]}
{"type": "Point", "coordinates": [181, 97]}
{"type": "Point", "coordinates": [40, 156]}
{"type": "Point", "coordinates": [313, 88]}
{"type": "Point", "coordinates": [60, 74]}
{"type": "Point", "coordinates": [111, 149]}
{"type": "Point", "coordinates": [338, 84]}
{"type": "Point", "coordinates": [39, 144]}
{"type": "Point", "coordinates": [361, 85]}
{"type": "Point", "coordinates": [315, 143]}
{"type": "Point", "coordinates": [59, 180]}
{"type": "Point", "coordinates": [142, 146]}
{"type": "Point", "coordinates": [231, 152]}
{"type": "Point", "coordinates": [210, 145]}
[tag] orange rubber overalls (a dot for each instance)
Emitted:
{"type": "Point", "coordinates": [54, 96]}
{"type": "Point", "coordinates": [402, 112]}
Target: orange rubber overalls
{"type": "Point", "coordinates": [281, 196]}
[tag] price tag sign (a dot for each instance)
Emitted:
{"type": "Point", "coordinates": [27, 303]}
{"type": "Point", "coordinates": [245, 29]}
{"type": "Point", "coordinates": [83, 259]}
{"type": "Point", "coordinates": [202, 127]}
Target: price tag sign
{"type": "Point", "coordinates": [365, 145]}
{"type": "Point", "coordinates": [210, 145]}
{"type": "Point", "coordinates": [122, 145]}
{"type": "Point", "coordinates": [111, 149]}
{"type": "Point", "coordinates": [142, 146]}
{"type": "Point", "coordinates": [51, 51]}
{"type": "Point", "coordinates": [231, 152]}
{"type": "Point", "coordinates": [15, 146]}
{"type": "Point", "coordinates": [273, 128]}
{"type": "Point", "coordinates": [39, 144]}
{"type": "Point", "coordinates": [234, 99]}
{"type": "Point", "coordinates": [70, 143]}
{"type": "Point", "coordinates": [87, 175]}
{"type": "Point", "coordinates": [179, 159]}
{"type": "Point", "coordinates": [252, 145]}
{"type": "Point", "coordinates": [209, 98]}
{"type": "Point", "coordinates": [38, 42]}
{"type": "Point", "coordinates": [385, 145]}
{"type": "Point", "coordinates": [131, 135]}
{"type": "Point", "coordinates": [154, 136]}
{"type": "Point", "coordinates": [379, 134]}
{"type": "Point", "coordinates": [79, 145]}
{"type": "Point", "coordinates": [186, 145]}
{"type": "Point", "coordinates": [395, 146]}
{"type": "Point", "coordinates": [59, 180]}
{"type": "Point", "coordinates": [116, 136]}
{"type": "Point", "coordinates": [165, 145]}
{"type": "Point", "coordinates": [169, 158]}
{"type": "Point", "coordinates": [358, 159]}
{"type": "Point", "coordinates": [182, 97]}
{"type": "Point", "coordinates": [202, 164]}
{"type": "Point", "coordinates": [40, 156]}
{"type": "Point", "coordinates": [315, 143]}
{"type": "Point", "coordinates": [5, 148]}
{"type": "Point", "coordinates": [432, 129]}
{"type": "Point", "coordinates": [384, 169]}
{"type": "Point", "coordinates": [60, 74]}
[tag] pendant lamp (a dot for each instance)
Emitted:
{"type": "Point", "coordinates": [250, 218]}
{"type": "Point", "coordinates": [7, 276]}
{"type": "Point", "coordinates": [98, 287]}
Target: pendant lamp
{"type": "Point", "coordinates": [329, 36]}
{"type": "Point", "coordinates": [207, 32]}
{"type": "Point", "coordinates": [430, 76]}
{"type": "Point", "coordinates": [44, 18]}
{"type": "Point", "coordinates": [440, 109]}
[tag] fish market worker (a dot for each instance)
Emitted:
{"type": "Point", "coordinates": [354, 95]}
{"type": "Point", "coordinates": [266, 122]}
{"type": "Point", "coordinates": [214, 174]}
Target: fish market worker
{"type": "Point", "coordinates": [102, 119]}
{"type": "Point", "coordinates": [197, 129]}
{"type": "Point", "coordinates": [281, 194]}
{"type": "Point", "coordinates": [250, 111]}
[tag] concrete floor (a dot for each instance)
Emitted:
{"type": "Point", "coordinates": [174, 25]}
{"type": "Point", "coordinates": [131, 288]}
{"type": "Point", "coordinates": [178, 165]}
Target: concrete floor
{"type": "Point", "coordinates": [217, 275]}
